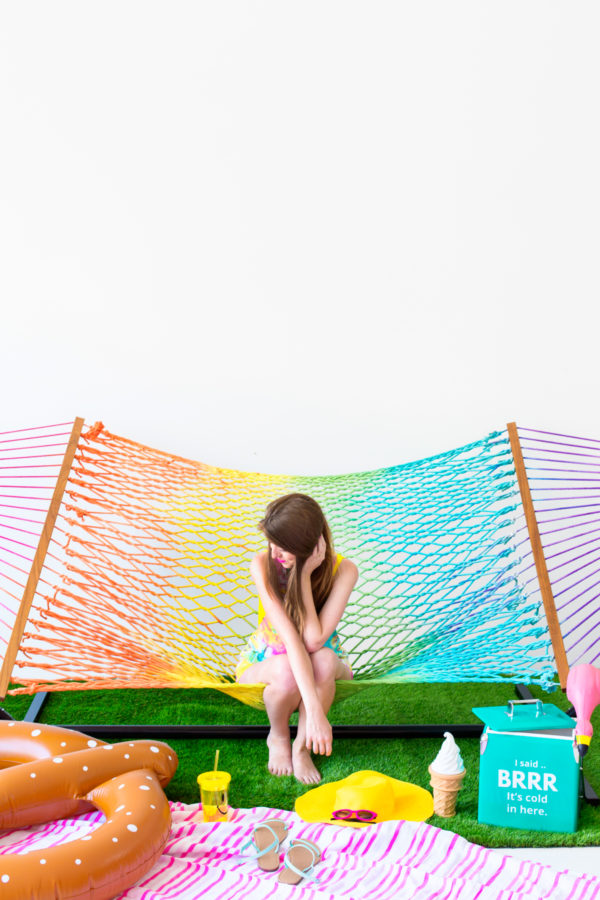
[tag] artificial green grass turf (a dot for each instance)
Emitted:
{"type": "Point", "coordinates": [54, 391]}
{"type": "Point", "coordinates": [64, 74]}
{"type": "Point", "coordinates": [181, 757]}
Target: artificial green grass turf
{"type": "Point", "coordinates": [246, 760]}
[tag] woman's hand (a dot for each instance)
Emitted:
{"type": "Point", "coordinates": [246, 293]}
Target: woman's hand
{"type": "Point", "coordinates": [319, 736]}
{"type": "Point", "coordinates": [316, 557]}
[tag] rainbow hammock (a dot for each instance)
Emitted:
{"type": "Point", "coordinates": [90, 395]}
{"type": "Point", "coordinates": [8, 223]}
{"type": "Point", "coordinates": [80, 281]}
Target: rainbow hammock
{"type": "Point", "coordinates": [125, 566]}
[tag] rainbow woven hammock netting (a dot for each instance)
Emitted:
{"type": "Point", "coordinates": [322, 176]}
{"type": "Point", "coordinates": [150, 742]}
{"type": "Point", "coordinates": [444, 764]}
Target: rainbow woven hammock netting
{"type": "Point", "coordinates": [146, 580]}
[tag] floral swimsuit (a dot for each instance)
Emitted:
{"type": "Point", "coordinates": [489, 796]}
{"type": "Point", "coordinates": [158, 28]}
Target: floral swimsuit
{"type": "Point", "coordinates": [265, 641]}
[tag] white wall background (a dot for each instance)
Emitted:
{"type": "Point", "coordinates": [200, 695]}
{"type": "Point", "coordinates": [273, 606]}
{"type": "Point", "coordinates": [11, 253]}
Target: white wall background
{"type": "Point", "coordinates": [300, 237]}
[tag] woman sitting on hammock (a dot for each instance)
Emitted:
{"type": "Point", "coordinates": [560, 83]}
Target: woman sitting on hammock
{"type": "Point", "coordinates": [303, 588]}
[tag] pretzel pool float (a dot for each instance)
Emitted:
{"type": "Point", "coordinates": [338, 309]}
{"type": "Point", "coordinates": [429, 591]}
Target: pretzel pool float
{"type": "Point", "coordinates": [49, 773]}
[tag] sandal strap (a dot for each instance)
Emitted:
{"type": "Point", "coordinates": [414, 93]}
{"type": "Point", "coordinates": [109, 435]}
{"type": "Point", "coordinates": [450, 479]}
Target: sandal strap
{"type": "Point", "coordinates": [303, 873]}
{"type": "Point", "coordinates": [252, 843]}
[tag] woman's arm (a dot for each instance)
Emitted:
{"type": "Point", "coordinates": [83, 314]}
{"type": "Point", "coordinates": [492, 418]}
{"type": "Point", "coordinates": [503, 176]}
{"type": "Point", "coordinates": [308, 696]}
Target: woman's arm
{"type": "Point", "coordinates": [317, 628]}
{"type": "Point", "coordinates": [318, 729]}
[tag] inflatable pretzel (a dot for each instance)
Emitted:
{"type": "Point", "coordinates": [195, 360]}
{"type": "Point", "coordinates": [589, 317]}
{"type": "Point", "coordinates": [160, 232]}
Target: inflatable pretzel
{"type": "Point", "coordinates": [49, 773]}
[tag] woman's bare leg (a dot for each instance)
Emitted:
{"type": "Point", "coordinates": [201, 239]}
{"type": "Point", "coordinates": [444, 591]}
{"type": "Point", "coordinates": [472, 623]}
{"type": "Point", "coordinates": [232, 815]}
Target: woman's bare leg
{"type": "Point", "coordinates": [281, 697]}
{"type": "Point", "coordinates": [327, 667]}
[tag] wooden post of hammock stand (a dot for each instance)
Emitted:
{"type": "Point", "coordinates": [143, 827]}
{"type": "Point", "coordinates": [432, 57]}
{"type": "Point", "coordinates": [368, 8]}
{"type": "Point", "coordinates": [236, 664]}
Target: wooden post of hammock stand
{"type": "Point", "coordinates": [38, 560]}
{"type": "Point", "coordinates": [560, 656]}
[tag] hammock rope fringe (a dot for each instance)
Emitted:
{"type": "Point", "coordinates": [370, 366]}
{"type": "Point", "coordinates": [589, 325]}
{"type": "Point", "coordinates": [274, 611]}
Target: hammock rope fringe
{"type": "Point", "coordinates": [146, 581]}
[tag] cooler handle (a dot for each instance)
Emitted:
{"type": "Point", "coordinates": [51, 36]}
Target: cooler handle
{"type": "Point", "coordinates": [539, 707]}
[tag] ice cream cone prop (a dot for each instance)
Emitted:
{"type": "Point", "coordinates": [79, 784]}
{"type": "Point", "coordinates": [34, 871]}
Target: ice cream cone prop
{"type": "Point", "coordinates": [447, 772]}
{"type": "Point", "coordinates": [445, 792]}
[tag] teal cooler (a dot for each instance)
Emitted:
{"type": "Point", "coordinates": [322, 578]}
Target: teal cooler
{"type": "Point", "coordinates": [529, 772]}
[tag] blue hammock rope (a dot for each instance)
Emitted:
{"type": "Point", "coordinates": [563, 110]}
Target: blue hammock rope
{"type": "Point", "coordinates": [440, 596]}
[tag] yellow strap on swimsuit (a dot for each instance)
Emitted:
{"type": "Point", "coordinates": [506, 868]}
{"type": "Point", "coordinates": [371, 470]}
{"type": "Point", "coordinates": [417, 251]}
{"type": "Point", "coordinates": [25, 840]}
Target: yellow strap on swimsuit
{"type": "Point", "coordinates": [261, 611]}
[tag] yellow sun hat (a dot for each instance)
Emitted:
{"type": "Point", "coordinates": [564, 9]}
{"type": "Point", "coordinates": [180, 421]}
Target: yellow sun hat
{"type": "Point", "coordinates": [343, 802]}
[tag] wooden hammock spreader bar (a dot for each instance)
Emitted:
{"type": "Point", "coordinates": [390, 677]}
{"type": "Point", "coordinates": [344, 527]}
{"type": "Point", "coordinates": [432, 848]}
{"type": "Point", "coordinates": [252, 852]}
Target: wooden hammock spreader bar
{"type": "Point", "coordinates": [38, 560]}
{"type": "Point", "coordinates": [560, 655]}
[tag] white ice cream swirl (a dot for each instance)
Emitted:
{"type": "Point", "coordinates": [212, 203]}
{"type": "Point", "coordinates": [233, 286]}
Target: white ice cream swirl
{"type": "Point", "coordinates": [448, 761]}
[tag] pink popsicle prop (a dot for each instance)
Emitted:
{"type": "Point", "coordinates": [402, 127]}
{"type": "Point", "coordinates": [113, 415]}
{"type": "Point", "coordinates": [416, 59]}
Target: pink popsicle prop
{"type": "Point", "coordinates": [583, 690]}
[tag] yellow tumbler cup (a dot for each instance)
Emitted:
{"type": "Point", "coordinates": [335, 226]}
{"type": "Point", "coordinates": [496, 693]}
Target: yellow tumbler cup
{"type": "Point", "coordinates": [214, 796]}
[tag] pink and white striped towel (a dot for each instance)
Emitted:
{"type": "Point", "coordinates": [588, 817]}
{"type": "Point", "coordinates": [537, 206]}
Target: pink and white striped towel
{"type": "Point", "coordinates": [391, 860]}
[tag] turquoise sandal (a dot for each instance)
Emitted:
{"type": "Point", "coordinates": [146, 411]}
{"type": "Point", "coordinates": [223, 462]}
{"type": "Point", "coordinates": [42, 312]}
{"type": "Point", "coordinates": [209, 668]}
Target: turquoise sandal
{"type": "Point", "coordinates": [299, 862]}
{"type": "Point", "coordinates": [266, 839]}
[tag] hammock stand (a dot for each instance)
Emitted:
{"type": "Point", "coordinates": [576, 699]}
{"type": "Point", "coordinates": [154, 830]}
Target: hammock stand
{"type": "Point", "coordinates": [429, 730]}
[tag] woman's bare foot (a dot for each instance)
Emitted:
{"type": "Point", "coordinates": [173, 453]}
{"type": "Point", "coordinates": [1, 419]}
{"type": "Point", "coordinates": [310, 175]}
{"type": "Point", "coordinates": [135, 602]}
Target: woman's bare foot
{"type": "Point", "coordinates": [280, 755]}
{"type": "Point", "coordinates": [304, 768]}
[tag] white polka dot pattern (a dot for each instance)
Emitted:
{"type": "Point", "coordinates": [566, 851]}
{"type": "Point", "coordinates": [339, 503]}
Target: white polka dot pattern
{"type": "Point", "coordinates": [119, 784]}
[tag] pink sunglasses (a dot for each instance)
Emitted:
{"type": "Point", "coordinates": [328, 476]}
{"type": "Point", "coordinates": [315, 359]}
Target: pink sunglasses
{"type": "Point", "coordinates": [354, 815]}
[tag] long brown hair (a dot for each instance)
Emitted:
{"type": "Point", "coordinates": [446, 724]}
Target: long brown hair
{"type": "Point", "coordinates": [295, 523]}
